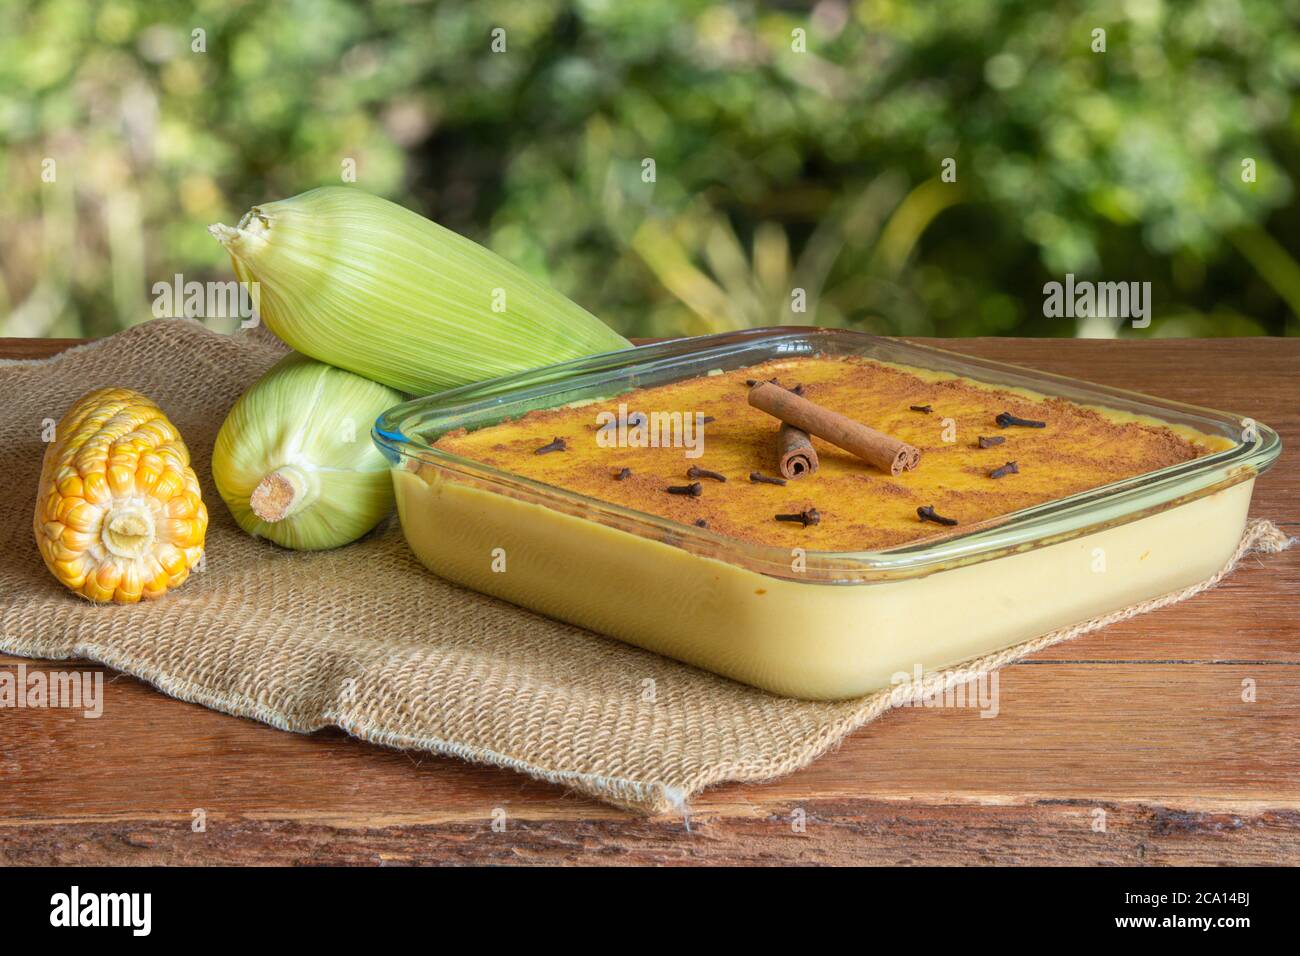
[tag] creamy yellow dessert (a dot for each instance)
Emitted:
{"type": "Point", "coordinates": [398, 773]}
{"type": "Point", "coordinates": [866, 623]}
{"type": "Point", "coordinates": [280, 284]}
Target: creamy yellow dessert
{"type": "Point", "coordinates": [860, 508]}
{"type": "Point", "coordinates": [744, 596]}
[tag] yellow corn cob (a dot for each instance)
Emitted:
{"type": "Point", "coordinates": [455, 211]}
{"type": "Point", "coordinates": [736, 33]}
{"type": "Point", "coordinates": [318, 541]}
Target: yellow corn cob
{"type": "Point", "coordinates": [119, 513]}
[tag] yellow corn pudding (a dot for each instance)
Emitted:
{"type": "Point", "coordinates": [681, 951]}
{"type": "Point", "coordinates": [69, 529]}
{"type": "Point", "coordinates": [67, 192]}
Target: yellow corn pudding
{"type": "Point", "coordinates": [610, 511]}
{"type": "Point", "coordinates": [586, 449]}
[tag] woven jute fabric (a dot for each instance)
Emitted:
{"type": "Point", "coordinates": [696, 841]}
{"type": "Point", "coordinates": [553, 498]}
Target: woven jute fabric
{"type": "Point", "coordinates": [364, 638]}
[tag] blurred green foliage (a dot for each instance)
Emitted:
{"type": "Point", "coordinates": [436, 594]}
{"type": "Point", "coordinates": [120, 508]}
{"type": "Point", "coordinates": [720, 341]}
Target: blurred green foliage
{"type": "Point", "coordinates": [774, 168]}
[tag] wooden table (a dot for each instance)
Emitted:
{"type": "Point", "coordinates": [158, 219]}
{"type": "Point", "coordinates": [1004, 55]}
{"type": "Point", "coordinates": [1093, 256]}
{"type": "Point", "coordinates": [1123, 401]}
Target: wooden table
{"type": "Point", "coordinates": [1142, 726]}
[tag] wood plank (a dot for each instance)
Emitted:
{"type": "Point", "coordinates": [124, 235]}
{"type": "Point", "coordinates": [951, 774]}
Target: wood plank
{"type": "Point", "coordinates": [1178, 734]}
{"type": "Point", "coordinates": [12, 349]}
{"type": "Point", "coordinates": [1144, 721]}
{"type": "Point", "coordinates": [862, 833]}
{"type": "Point", "coordinates": [934, 786]}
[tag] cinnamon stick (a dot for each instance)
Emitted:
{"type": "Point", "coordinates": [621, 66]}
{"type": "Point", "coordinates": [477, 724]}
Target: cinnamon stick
{"type": "Point", "coordinates": [886, 453]}
{"type": "Point", "coordinates": [797, 457]}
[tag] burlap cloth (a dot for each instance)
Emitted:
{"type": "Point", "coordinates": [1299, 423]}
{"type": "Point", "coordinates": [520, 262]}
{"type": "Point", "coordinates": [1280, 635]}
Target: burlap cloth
{"type": "Point", "coordinates": [364, 638]}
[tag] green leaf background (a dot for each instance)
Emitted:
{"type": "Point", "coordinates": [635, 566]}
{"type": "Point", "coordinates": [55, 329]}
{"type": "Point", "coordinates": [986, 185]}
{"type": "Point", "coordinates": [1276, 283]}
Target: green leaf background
{"type": "Point", "coordinates": [774, 169]}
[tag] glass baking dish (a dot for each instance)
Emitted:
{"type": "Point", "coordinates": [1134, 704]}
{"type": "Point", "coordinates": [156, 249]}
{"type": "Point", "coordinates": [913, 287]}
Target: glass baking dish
{"type": "Point", "coordinates": [831, 624]}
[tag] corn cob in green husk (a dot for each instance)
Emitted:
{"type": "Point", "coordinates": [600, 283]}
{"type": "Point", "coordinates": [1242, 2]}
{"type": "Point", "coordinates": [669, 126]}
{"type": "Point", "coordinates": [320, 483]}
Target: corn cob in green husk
{"type": "Point", "coordinates": [294, 461]}
{"type": "Point", "coordinates": [369, 286]}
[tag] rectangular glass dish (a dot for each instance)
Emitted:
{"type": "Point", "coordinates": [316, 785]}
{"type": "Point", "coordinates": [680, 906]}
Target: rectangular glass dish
{"type": "Point", "coordinates": [814, 624]}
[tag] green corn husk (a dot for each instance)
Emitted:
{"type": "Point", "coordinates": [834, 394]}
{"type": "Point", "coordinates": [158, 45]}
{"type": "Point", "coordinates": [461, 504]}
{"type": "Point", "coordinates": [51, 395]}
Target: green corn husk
{"type": "Point", "coordinates": [294, 461]}
{"type": "Point", "coordinates": [364, 284]}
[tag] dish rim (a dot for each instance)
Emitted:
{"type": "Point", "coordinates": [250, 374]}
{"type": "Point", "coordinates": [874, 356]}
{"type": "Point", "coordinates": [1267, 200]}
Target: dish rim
{"type": "Point", "coordinates": [397, 432]}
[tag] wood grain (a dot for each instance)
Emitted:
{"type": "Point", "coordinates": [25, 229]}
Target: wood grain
{"type": "Point", "coordinates": [16, 350]}
{"type": "Point", "coordinates": [1142, 727]}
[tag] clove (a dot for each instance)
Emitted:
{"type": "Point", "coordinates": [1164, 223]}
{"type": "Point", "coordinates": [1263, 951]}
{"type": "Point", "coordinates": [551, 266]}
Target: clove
{"type": "Point", "coordinates": [694, 472]}
{"type": "Point", "coordinates": [1010, 468]}
{"type": "Point", "coordinates": [927, 513]}
{"type": "Point", "coordinates": [623, 475]}
{"type": "Point", "coordinates": [557, 444]}
{"type": "Point", "coordinates": [921, 408]}
{"type": "Point", "coordinates": [701, 523]}
{"type": "Point", "coordinates": [805, 518]}
{"type": "Point", "coordinates": [990, 441]}
{"type": "Point", "coordinates": [694, 489]}
{"type": "Point", "coordinates": [757, 478]}
{"type": "Point", "coordinates": [1006, 419]}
